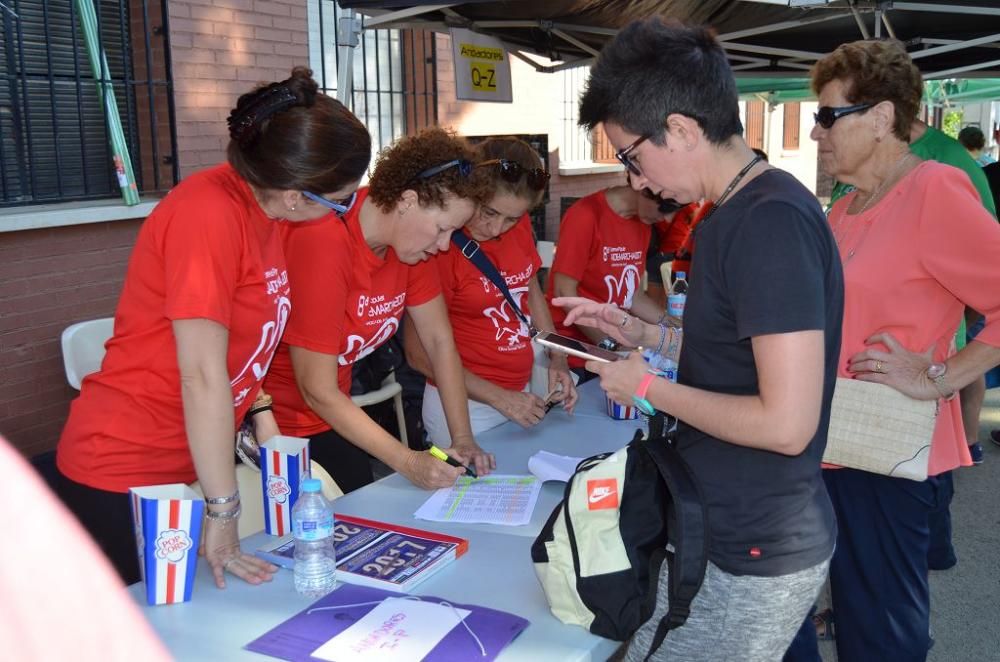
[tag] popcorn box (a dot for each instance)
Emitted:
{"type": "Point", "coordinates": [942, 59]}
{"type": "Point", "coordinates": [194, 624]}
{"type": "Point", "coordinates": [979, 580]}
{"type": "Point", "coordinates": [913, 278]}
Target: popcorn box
{"type": "Point", "coordinates": [620, 412]}
{"type": "Point", "coordinates": [168, 521]}
{"type": "Point", "coordinates": [284, 464]}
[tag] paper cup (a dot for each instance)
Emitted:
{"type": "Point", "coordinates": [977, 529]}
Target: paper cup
{"type": "Point", "coordinates": [284, 464]}
{"type": "Point", "coordinates": [167, 521]}
{"type": "Point", "coordinates": [620, 412]}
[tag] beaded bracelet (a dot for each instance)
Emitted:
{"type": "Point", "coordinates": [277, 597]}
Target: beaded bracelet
{"type": "Point", "coordinates": [663, 336]}
{"type": "Point", "coordinates": [221, 501]}
{"type": "Point", "coordinates": [225, 515]}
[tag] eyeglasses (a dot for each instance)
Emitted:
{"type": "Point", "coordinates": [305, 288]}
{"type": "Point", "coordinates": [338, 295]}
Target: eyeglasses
{"type": "Point", "coordinates": [512, 171]}
{"type": "Point", "coordinates": [825, 116]}
{"type": "Point", "coordinates": [623, 155]}
{"type": "Point", "coordinates": [464, 169]}
{"type": "Point", "coordinates": [339, 207]}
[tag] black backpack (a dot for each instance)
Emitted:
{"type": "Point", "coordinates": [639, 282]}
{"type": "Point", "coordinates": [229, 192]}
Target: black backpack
{"type": "Point", "coordinates": [599, 555]}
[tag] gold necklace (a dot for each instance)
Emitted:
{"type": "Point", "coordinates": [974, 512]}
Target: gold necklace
{"type": "Point", "coordinates": [841, 231]}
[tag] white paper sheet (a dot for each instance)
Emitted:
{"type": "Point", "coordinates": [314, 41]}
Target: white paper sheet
{"type": "Point", "coordinates": [495, 499]}
{"type": "Point", "coordinates": [549, 466]}
{"type": "Point", "coordinates": [397, 630]}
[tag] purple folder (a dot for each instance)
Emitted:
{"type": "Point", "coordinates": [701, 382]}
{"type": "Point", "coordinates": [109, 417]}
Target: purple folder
{"type": "Point", "coordinates": [300, 635]}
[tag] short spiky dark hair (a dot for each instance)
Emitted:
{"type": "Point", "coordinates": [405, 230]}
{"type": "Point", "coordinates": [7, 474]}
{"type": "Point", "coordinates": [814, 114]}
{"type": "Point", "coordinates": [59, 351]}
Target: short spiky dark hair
{"type": "Point", "coordinates": [654, 68]}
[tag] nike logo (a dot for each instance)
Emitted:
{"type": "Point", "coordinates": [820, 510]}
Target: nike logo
{"type": "Point", "coordinates": [600, 493]}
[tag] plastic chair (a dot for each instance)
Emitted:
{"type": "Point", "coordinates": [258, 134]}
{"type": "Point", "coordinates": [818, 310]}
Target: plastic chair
{"type": "Point", "coordinates": [252, 496]}
{"type": "Point", "coordinates": [83, 348]}
{"type": "Point", "coordinates": [546, 251]}
{"type": "Point", "coordinates": [390, 389]}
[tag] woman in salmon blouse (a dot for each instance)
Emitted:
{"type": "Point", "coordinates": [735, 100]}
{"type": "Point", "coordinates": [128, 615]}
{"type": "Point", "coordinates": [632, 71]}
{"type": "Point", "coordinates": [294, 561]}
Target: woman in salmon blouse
{"type": "Point", "coordinates": [205, 301]}
{"type": "Point", "coordinates": [917, 246]}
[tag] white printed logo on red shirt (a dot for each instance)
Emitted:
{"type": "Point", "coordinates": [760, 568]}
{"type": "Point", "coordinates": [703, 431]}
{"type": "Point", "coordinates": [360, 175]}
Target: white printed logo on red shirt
{"type": "Point", "coordinates": [358, 347]}
{"type": "Point", "coordinates": [270, 333]}
{"type": "Point", "coordinates": [511, 331]}
{"type": "Point", "coordinates": [622, 289]}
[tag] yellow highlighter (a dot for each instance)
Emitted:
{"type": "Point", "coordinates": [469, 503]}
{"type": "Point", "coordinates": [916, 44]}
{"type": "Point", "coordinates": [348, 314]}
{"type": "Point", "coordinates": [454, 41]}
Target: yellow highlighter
{"type": "Point", "coordinates": [444, 457]}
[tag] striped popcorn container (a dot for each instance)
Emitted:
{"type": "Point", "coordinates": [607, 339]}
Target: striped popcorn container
{"type": "Point", "coordinates": [167, 520]}
{"type": "Point", "coordinates": [284, 463]}
{"type": "Point", "coordinates": [620, 412]}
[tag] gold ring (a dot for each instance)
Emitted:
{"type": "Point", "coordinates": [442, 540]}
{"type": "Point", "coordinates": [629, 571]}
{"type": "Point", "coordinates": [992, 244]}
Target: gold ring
{"type": "Point", "coordinates": [878, 366]}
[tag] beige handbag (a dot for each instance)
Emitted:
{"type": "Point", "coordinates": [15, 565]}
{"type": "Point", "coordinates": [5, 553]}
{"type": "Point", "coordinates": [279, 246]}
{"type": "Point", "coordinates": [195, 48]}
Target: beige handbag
{"type": "Point", "coordinates": [874, 427]}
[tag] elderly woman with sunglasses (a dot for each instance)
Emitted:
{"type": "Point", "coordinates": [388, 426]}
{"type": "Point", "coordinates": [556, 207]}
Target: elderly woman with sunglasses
{"type": "Point", "coordinates": [353, 279]}
{"type": "Point", "coordinates": [494, 338]}
{"type": "Point", "coordinates": [204, 303]}
{"type": "Point", "coordinates": [917, 246]}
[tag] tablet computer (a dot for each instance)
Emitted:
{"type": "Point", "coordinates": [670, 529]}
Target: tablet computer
{"type": "Point", "coordinates": [575, 347]}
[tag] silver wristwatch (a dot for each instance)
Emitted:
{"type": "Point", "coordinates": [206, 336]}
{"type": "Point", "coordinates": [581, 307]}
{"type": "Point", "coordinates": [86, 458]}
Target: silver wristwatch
{"type": "Point", "coordinates": [936, 373]}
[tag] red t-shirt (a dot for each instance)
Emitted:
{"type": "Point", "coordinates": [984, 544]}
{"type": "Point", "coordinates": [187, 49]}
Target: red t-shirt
{"type": "Point", "coordinates": [206, 252]}
{"type": "Point", "coordinates": [348, 302]}
{"type": "Point", "coordinates": [604, 252]}
{"type": "Point", "coordinates": [492, 340]}
{"type": "Point", "coordinates": [677, 235]}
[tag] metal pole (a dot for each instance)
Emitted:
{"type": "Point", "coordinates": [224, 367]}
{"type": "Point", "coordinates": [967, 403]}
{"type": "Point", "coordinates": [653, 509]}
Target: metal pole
{"type": "Point", "coordinates": [349, 29]}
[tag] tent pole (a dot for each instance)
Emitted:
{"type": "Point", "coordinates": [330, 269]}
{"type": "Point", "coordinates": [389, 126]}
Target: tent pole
{"type": "Point", "coordinates": [347, 37]}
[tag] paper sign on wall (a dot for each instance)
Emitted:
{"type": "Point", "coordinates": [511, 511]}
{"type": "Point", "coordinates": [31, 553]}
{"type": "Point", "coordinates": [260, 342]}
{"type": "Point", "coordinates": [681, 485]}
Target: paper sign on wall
{"type": "Point", "coordinates": [482, 68]}
{"type": "Point", "coordinates": [398, 630]}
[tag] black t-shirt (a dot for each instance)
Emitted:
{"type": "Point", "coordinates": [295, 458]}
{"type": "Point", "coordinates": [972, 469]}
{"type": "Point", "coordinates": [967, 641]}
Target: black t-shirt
{"type": "Point", "coordinates": [766, 263]}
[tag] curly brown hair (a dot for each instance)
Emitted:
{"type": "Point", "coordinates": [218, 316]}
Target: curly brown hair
{"type": "Point", "coordinates": [511, 149]}
{"type": "Point", "coordinates": [874, 71]}
{"type": "Point", "coordinates": [397, 167]}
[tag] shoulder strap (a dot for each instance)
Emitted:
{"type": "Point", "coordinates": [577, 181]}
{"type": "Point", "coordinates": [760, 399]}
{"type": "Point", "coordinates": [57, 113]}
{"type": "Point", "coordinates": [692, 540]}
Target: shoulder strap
{"type": "Point", "coordinates": [470, 249]}
{"type": "Point", "coordinates": [690, 556]}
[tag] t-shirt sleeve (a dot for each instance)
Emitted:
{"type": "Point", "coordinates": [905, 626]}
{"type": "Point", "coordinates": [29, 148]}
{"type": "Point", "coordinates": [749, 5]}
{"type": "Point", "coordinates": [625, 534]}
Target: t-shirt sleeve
{"type": "Point", "coordinates": [446, 265]}
{"type": "Point", "coordinates": [422, 283]}
{"type": "Point", "coordinates": [319, 257]}
{"type": "Point", "coordinates": [526, 242]}
{"type": "Point", "coordinates": [775, 269]}
{"type": "Point", "coordinates": [959, 242]}
{"type": "Point", "coordinates": [202, 246]}
{"type": "Point", "coordinates": [577, 233]}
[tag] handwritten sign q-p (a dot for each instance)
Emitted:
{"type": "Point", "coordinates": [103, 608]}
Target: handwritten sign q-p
{"type": "Point", "coordinates": [397, 630]}
{"type": "Point", "coordinates": [482, 68]}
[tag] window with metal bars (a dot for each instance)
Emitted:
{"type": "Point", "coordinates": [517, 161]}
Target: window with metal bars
{"type": "Point", "coordinates": [53, 136]}
{"type": "Point", "coordinates": [394, 78]}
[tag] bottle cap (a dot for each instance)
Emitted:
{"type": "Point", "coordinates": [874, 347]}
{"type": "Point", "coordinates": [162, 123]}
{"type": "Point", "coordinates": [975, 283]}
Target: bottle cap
{"type": "Point", "coordinates": [311, 485]}
{"type": "Point", "coordinates": [682, 274]}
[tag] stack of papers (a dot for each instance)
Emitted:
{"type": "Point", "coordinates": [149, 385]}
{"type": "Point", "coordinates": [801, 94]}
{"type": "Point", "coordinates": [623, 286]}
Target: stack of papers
{"type": "Point", "coordinates": [549, 466]}
{"type": "Point", "coordinates": [494, 499]}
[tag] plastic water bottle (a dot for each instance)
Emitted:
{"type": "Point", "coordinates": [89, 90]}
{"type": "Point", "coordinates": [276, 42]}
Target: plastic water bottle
{"type": "Point", "coordinates": [312, 527]}
{"type": "Point", "coordinates": [678, 295]}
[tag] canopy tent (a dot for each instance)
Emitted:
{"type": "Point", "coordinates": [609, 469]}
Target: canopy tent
{"type": "Point", "coordinates": [948, 92]}
{"type": "Point", "coordinates": [762, 37]}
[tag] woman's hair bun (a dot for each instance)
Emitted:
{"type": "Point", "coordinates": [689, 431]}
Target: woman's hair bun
{"type": "Point", "coordinates": [254, 109]}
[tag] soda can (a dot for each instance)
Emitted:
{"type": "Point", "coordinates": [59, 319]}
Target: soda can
{"type": "Point", "coordinates": [167, 521]}
{"type": "Point", "coordinates": [284, 464]}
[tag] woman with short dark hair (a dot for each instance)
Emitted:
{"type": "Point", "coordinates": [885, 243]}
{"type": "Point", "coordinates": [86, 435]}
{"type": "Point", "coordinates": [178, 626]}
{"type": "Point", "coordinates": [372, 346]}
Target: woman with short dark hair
{"type": "Point", "coordinates": [204, 303]}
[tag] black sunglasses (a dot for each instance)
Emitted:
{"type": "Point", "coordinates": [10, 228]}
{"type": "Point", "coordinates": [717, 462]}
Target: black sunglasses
{"type": "Point", "coordinates": [464, 169]}
{"type": "Point", "coordinates": [512, 171]}
{"type": "Point", "coordinates": [825, 116]}
{"type": "Point", "coordinates": [623, 155]}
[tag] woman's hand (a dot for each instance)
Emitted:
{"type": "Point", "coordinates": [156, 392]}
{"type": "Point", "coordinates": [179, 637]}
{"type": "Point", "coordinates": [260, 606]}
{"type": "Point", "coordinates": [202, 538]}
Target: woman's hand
{"type": "Point", "coordinates": [561, 381]}
{"type": "Point", "coordinates": [620, 379]}
{"type": "Point", "coordinates": [899, 368]}
{"type": "Point", "coordinates": [427, 472]}
{"type": "Point", "coordinates": [525, 409]}
{"type": "Point", "coordinates": [264, 426]}
{"type": "Point", "coordinates": [220, 545]}
{"type": "Point", "coordinates": [606, 318]}
{"type": "Point", "coordinates": [470, 454]}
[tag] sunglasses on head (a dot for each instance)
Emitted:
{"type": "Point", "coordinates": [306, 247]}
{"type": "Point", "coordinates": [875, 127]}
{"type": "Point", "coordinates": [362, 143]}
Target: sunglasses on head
{"type": "Point", "coordinates": [512, 171]}
{"type": "Point", "coordinates": [623, 155]}
{"type": "Point", "coordinates": [339, 207]}
{"type": "Point", "coordinates": [825, 116]}
{"type": "Point", "coordinates": [464, 169]}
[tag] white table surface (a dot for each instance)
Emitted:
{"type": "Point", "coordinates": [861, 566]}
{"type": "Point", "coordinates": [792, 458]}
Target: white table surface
{"type": "Point", "coordinates": [496, 571]}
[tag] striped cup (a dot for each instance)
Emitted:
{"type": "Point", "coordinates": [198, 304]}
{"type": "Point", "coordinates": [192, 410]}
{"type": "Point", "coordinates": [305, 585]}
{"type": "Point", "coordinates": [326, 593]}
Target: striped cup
{"type": "Point", "coordinates": [620, 412]}
{"type": "Point", "coordinates": [167, 521]}
{"type": "Point", "coordinates": [284, 464]}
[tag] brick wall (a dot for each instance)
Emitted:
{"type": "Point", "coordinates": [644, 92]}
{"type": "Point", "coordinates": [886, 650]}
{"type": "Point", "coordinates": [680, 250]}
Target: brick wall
{"type": "Point", "coordinates": [221, 49]}
{"type": "Point", "coordinates": [52, 278]}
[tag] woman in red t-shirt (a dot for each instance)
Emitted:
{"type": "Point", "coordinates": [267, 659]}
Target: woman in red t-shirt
{"type": "Point", "coordinates": [204, 303]}
{"type": "Point", "coordinates": [353, 279]}
{"type": "Point", "coordinates": [494, 343]}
